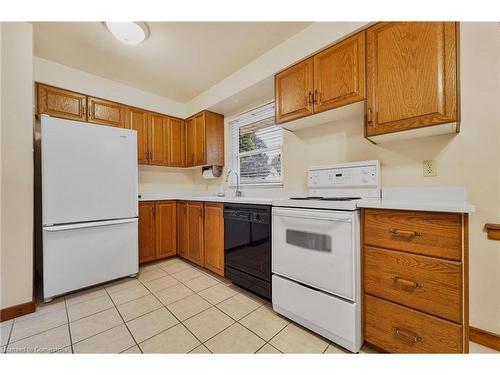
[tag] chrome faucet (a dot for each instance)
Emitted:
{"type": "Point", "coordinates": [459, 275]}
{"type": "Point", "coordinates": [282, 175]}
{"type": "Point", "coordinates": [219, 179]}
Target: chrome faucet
{"type": "Point", "coordinates": [238, 192]}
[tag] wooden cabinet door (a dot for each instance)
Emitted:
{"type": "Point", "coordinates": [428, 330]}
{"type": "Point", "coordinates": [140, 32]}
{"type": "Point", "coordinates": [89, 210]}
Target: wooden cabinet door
{"type": "Point", "coordinates": [61, 103]}
{"type": "Point", "coordinates": [190, 141]}
{"type": "Point", "coordinates": [104, 112]}
{"type": "Point", "coordinates": [293, 91]}
{"type": "Point", "coordinates": [195, 232]}
{"type": "Point", "coordinates": [147, 229]}
{"type": "Point", "coordinates": [411, 75]}
{"type": "Point", "coordinates": [166, 229]}
{"type": "Point", "coordinates": [199, 141]}
{"type": "Point", "coordinates": [177, 142]}
{"type": "Point", "coordinates": [214, 237]}
{"type": "Point", "coordinates": [158, 138]}
{"type": "Point", "coordinates": [137, 119]}
{"type": "Point", "coordinates": [339, 74]}
{"type": "Point", "coordinates": [182, 230]}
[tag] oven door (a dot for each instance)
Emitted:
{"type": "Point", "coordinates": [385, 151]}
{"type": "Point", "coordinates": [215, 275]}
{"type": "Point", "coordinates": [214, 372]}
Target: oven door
{"type": "Point", "coordinates": [318, 248]}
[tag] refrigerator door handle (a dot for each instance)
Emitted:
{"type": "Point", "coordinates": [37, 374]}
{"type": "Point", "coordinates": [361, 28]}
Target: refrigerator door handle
{"type": "Point", "coordinates": [57, 228]}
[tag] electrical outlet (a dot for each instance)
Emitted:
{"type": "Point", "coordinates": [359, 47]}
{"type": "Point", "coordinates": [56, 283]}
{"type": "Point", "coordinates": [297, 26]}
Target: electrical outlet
{"type": "Point", "coordinates": [430, 168]}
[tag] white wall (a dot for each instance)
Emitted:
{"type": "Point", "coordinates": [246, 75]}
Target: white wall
{"type": "Point", "coordinates": [69, 78]}
{"type": "Point", "coordinates": [16, 258]}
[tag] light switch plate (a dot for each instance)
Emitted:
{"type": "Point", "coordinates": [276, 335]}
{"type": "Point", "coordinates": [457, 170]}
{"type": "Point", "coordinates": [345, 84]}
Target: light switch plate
{"type": "Point", "coordinates": [430, 168]}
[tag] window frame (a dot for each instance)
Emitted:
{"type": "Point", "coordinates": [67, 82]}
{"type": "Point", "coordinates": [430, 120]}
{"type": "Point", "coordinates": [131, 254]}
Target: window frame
{"type": "Point", "coordinates": [245, 119]}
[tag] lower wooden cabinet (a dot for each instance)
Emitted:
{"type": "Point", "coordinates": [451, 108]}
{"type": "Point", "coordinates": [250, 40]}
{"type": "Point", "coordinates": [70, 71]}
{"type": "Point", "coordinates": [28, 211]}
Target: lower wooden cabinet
{"type": "Point", "coordinates": [200, 234]}
{"type": "Point", "coordinates": [195, 251]}
{"type": "Point", "coordinates": [415, 281]}
{"type": "Point", "coordinates": [182, 233]}
{"type": "Point", "coordinates": [166, 229]}
{"type": "Point", "coordinates": [193, 230]}
{"type": "Point", "coordinates": [214, 237]}
{"type": "Point", "coordinates": [147, 231]}
{"type": "Point", "coordinates": [157, 230]}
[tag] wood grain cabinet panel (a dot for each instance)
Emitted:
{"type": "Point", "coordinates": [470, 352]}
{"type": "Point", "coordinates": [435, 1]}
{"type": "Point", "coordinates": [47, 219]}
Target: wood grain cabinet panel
{"type": "Point", "coordinates": [147, 232]}
{"type": "Point", "coordinates": [190, 141]}
{"type": "Point", "coordinates": [398, 329]}
{"type": "Point", "coordinates": [205, 139]}
{"type": "Point", "coordinates": [427, 284]}
{"type": "Point", "coordinates": [195, 232]}
{"type": "Point", "coordinates": [436, 234]}
{"type": "Point", "coordinates": [182, 230]}
{"type": "Point", "coordinates": [137, 119]}
{"type": "Point", "coordinates": [166, 229]}
{"type": "Point", "coordinates": [158, 146]}
{"type": "Point", "coordinates": [61, 103]}
{"type": "Point", "coordinates": [412, 76]}
{"type": "Point", "coordinates": [177, 142]}
{"type": "Point", "coordinates": [199, 139]}
{"type": "Point", "coordinates": [339, 74]}
{"type": "Point", "coordinates": [104, 112]}
{"type": "Point", "coordinates": [214, 237]}
{"type": "Point", "coordinates": [293, 90]}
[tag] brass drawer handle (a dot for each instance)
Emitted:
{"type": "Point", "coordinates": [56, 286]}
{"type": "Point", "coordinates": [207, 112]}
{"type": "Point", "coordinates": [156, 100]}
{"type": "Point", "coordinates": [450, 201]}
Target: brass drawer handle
{"type": "Point", "coordinates": [405, 233]}
{"type": "Point", "coordinates": [407, 283]}
{"type": "Point", "coordinates": [408, 335]}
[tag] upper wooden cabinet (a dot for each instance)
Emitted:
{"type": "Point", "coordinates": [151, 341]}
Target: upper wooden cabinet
{"type": "Point", "coordinates": [412, 76]}
{"type": "Point", "coordinates": [158, 150]}
{"type": "Point", "coordinates": [61, 103]}
{"type": "Point", "coordinates": [104, 112]}
{"type": "Point", "coordinates": [339, 74]}
{"type": "Point", "coordinates": [293, 90]}
{"type": "Point", "coordinates": [177, 142]}
{"type": "Point", "coordinates": [332, 78]}
{"type": "Point", "coordinates": [161, 140]}
{"type": "Point", "coordinates": [205, 139]}
{"type": "Point", "coordinates": [137, 119]}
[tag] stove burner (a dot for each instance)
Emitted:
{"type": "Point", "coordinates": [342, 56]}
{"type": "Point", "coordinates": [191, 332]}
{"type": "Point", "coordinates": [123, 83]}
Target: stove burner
{"type": "Point", "coordinates": [339, 199]}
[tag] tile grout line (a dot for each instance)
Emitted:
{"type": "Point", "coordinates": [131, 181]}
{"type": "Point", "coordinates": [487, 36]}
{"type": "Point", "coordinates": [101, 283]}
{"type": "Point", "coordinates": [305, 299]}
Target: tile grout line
{"type": "Point", "coordinates": [123, 320]}
{"type": "Point", "coordinates": [10, 335]}
{"type": "Point", "coordinates": [180, 322]}
{"type": "Point", "coordinates": [69, 327]}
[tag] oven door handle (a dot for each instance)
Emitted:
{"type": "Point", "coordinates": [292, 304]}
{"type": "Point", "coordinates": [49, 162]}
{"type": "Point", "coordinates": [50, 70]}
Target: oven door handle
{"type": "Point", "coordinates": [310, 217]}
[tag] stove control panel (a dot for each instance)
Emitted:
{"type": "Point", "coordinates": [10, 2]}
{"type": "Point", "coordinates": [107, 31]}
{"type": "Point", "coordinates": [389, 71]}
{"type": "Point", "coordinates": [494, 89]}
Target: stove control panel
{"type": "Point", "coordinates": [362, 175]}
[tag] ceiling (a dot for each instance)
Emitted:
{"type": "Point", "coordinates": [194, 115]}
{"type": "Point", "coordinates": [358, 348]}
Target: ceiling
{"type": "Point", "coordinates": [179, 60]}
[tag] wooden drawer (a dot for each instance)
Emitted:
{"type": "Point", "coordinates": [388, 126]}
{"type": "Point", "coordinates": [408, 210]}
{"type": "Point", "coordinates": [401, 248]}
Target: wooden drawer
{"type": "Point", "coordinates": [398, 329]}
{"type": "Point", "coordinates": [428, 284]}
{"type": "Point", "coordinates": [429, 233]}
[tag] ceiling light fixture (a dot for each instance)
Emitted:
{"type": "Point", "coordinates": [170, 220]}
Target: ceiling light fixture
{"type": "Point", "coordinates": [128, 32]}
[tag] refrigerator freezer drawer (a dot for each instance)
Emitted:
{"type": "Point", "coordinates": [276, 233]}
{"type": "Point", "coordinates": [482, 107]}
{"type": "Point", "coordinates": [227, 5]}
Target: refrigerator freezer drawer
{"type": "Point", "coordinates": [78, 257]}
{"type": "Point", "coordinates": [331, 317]}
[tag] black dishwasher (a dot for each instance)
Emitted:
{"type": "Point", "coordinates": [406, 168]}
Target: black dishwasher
{"type": "Point", "coordinates": [247, 247]}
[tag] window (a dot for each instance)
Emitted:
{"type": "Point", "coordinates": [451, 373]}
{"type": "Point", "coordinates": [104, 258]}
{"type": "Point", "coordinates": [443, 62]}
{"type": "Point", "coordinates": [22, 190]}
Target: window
{"type": "Point", "coordinates": [256, 146]}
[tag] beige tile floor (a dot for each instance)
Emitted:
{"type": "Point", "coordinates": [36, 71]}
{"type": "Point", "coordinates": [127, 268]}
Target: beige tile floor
{"type": "Point", "coordinates": [171, 307]}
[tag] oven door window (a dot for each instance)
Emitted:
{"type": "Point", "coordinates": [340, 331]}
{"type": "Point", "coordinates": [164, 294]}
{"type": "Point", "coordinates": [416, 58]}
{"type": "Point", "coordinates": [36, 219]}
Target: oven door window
{"type": "Point", "coordinates": [307, 240]}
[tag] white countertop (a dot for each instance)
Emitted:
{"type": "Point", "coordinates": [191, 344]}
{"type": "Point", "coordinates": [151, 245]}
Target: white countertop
{"type": "Point", "coordinates": [421, 199]}
{"type": "Point", "coordinates": [204, 198]}
{"type": "Point", "coordinates": [416, 199]}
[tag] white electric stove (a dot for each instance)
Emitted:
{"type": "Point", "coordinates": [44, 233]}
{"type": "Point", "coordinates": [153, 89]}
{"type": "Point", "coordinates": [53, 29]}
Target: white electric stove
{"type": "Point", "coordinates": [316, 251]}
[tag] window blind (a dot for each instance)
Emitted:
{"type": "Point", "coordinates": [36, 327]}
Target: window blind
{"type": "Point", "coordinates": [256, 146]}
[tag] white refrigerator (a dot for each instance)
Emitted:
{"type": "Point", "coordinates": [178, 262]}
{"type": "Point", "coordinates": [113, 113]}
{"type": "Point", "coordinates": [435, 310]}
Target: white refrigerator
{"type": "Point", "coordinates": [88, 205]}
